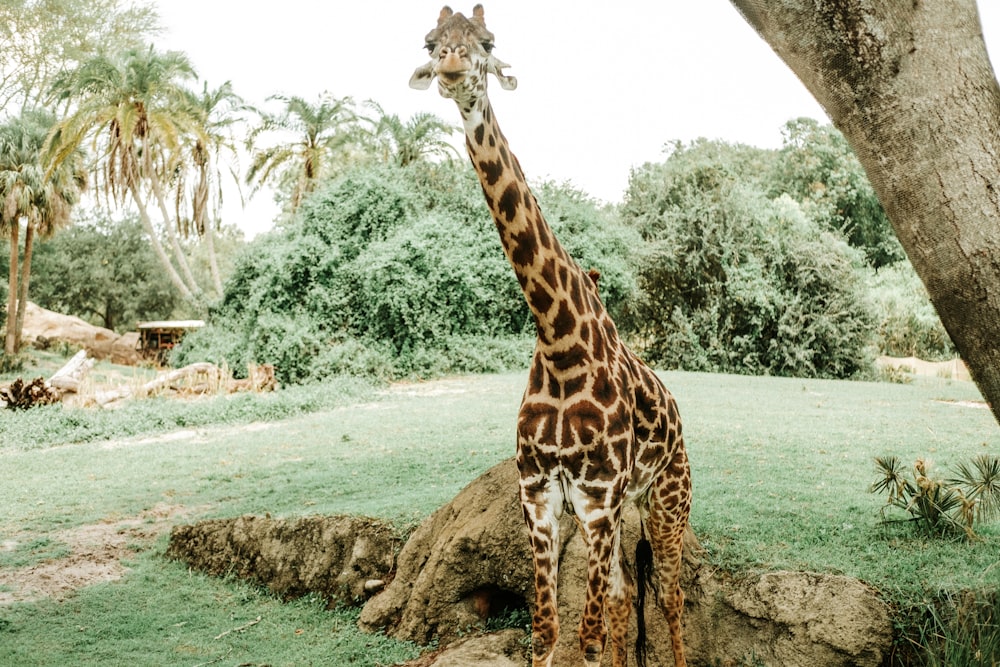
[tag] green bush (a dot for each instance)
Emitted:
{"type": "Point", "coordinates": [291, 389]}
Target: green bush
{"type": "Point", "coordinates": [819, 170]}
{"type": "Point", "coordinates": [735, 281]}
{"type": "Point", "coordinates": [395, 271]}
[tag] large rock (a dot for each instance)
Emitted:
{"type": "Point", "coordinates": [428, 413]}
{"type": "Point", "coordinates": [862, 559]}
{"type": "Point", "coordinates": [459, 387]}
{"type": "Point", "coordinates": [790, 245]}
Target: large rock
{"type": "Point", "coordinates": [100, 343]}
{"type": "Point", "coordinates": [469, 561]}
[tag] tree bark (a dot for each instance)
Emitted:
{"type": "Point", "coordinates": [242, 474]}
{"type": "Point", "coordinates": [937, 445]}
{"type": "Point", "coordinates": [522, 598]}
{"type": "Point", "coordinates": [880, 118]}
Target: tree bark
{"type": "Point", "coordinates": [8, 343]}
{"type": "Point", "coordinates": [175, 243]}
{"type": "Point", "coordinates": [910, 86]}
{"type": "Point", "coordinates": [22, 298]}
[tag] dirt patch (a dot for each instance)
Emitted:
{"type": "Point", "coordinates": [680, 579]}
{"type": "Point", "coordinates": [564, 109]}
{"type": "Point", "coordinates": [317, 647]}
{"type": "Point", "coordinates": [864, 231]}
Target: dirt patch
{"type": "Point", "coordinates": [96, 552]}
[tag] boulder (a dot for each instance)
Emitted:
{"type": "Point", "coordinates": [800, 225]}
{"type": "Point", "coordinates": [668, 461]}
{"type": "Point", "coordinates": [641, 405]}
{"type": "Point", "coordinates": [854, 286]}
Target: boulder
{"type": "Point", "coordinates": [100, 343]}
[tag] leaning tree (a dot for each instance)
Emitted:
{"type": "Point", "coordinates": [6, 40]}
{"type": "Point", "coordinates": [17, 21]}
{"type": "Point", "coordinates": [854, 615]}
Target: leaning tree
{"type": "Point", "coordinates": [911, 87]}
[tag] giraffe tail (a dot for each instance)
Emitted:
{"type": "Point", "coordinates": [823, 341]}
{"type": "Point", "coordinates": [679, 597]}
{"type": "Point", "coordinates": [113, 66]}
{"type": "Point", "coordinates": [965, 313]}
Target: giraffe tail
{"type": "Point", "coordinates": [644, 578]}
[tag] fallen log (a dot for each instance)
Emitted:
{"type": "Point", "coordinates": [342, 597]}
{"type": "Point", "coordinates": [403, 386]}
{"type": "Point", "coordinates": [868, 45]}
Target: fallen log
{"type": "Point", "coordinates": [210, 375]}
{"type": "Point", "coordinates": [21, 395]}
{"type": "Point", "coordinates": [69, 377]}
{"type": "Point", "coordinates": [198, 378]}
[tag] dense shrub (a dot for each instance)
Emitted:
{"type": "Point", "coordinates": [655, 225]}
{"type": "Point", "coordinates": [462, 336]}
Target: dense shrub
{"type": "Point", "coordinates": [908, 325]}
{"type": "Point", "coordinates": [733, 280]}
{"type": "Point", "coordinates": [394, 271]}
{"type": "Point", "coordinates": [817, 168]}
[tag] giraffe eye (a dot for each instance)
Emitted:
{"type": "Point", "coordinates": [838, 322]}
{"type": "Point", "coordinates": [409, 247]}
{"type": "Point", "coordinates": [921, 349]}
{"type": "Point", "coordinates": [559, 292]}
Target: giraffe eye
{"type": "Point", "coordinates": [488, 46]}
{"type": "Point", "coordinates": [430, 46]}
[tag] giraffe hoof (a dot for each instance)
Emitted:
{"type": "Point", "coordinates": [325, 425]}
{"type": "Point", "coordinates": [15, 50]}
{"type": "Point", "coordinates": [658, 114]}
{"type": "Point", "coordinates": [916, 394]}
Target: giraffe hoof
{"type": "Point", "coordinates": [592, 655]}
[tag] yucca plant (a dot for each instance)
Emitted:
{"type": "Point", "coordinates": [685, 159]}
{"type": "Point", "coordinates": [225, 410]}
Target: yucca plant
{"type": "Point", "coordinates": [941, 507]}
{"type": "Point", "coordinates": [981, 482]}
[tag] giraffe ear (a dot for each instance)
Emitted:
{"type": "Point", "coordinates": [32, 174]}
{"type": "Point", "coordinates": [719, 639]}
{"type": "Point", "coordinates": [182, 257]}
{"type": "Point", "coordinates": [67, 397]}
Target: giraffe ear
{"type": "Point", "coordinates": [422, 77]}
{"type": "Point", "coordinates": [478, 15]}
{"type": "Point", "coordinates": [496, 67]}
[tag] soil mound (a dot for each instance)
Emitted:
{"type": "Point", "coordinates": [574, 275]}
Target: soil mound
{"type": "Point", "coordinates": [342, 558]}
{"type": "Point", "coordinates": [467, 567]}
{"type": "Point", "coordinates": [469, 562]}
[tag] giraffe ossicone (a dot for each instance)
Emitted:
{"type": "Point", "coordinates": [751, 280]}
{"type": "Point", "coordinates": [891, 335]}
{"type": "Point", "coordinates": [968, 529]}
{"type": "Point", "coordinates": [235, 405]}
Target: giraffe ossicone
{"type": "Point", "coordinates": [596, 427]}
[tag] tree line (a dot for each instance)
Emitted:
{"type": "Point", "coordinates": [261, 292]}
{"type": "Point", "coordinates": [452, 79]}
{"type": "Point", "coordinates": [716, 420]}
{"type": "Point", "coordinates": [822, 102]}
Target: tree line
{"type": "Point", "coordinates": [721, 257]}
{"type": "Point", "coordinates": [150, 138]}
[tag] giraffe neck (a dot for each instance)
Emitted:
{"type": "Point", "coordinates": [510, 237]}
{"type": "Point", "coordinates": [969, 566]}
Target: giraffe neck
{"type": "Point", "coordinates": [559, 293]}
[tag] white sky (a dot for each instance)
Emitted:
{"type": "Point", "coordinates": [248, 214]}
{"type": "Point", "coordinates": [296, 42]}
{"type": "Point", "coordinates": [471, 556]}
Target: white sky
{"type": "Point", "coordinates": [599, 92]}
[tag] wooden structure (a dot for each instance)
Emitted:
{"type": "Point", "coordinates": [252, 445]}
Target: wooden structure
{"type": "Point", "coordinates": [156, 339]}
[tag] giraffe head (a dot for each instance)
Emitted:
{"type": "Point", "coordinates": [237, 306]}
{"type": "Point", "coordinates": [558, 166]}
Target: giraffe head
{"type": "Point", "coordinates": [461, 56]}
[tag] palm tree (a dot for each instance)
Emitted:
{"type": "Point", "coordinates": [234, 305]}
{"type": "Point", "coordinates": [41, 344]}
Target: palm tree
{"type": "Point", "coordinates": [42, 199]}
{"type": "Point", "coordinates": [320, 135]}
{"type": "Point", "coordinates": [135, 112]}
{"type": "Point", "coordinates": [214, 110]}
{"type": "Point", "coordinates": [424, 135]}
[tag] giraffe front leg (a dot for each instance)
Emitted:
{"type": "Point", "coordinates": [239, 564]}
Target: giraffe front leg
{"type": "Point", "coordinates": [608, 599]}
{"type": "Point", "coordinates": [540, 514]}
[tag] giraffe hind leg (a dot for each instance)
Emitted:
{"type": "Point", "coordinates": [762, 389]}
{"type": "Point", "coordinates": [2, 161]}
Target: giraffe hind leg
{"type": "Point", "coordinates": [667, 520]}
{"type": "Point", "coordinates": [618, 608]}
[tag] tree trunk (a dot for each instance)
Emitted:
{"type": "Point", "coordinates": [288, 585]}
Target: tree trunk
{"type": "Point", "coordinates": [22, 298]}
{"type": "Point", "coordinates": [8, 343]}
{"type": "Point", "coordinates": [213, 260]}
{"type": "Point", "coordinates": [910, 86]}
{"type": "Point", "coordinates": [161, 254]}
{"type": "Point", "coordinates": [175, 243]}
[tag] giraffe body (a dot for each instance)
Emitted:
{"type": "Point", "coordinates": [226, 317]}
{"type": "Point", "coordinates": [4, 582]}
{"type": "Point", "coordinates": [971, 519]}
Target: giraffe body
{"type": "Point", "coordinates": [596, 427]}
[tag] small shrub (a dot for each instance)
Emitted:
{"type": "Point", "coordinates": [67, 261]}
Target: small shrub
{"type": "Point", "coordinates": [908, 325]}
{"type": "Point", "coordinates": [941, 507]}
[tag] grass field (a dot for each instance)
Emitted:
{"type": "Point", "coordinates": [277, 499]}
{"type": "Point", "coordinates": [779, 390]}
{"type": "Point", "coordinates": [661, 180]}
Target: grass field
{"type": "Point", "coordinates": [781, 468]}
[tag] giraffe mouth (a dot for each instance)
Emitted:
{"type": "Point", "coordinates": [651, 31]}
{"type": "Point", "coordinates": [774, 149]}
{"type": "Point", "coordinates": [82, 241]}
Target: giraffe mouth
{"type": "Point", "coordinates": [453, 76]}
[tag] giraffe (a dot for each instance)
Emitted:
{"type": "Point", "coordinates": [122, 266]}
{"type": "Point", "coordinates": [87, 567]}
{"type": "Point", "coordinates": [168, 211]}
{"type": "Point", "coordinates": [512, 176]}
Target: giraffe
{"type": "Point", "coordinates": [596, 426]}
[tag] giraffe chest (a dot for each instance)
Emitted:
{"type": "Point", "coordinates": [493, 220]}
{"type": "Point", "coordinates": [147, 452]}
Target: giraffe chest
{"type": "Point", "coordinates": [577, 427]}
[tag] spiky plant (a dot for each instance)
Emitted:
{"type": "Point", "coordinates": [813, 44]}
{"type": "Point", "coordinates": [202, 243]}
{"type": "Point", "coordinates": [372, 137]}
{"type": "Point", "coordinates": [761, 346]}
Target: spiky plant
{"type": "Point", "coordinates": [941, 507]}
{"type": "Point", "coordinates": [981, 484]}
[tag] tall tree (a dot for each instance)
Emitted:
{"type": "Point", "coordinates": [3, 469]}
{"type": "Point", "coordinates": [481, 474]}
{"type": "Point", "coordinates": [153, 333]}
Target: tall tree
{"type": "Point", "coordinates": [40, 38]}
{"type": "Point", "coordinates": [104, 271]}
{"type": "Point", "coordinates": [911, 87]}
{"type": "Point", "coordinates": [819, 169]}
{"type": "Point", "coordinates": [397, 142]}
{"type": "Point", "coordinates": [134, 109]}
{"type": "Point", "coordinates": [42, 199]}
{"type": "Point", "coordinates": [215, 111]}
{"type": "Point", "coordinates": [307, 142]}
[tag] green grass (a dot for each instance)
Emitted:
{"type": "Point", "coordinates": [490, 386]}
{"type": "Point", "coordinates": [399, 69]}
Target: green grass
{"type": "Point", "coordinates": [162, 614]}
{"type": "Point", "coordinates": [781, 470]}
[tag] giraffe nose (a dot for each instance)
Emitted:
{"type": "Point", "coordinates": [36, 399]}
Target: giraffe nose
{"type": "Point", "coordinates": [459, 50]}
{"type": "Point", "coordinates": [452, 64]}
